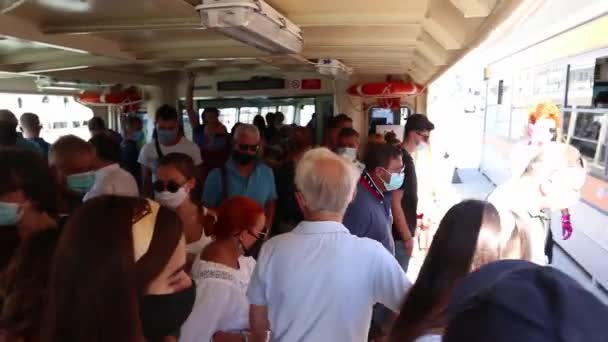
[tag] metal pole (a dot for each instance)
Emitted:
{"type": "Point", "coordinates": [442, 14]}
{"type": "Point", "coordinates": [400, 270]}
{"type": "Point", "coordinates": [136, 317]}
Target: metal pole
{"type": "Point", "coordinates": [600, 140]}
{"type": "Point", "coordinates": [571, 124]}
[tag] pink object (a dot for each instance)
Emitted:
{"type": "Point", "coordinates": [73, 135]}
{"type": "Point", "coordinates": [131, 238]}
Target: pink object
{"type": "Point", "coordinates": [566, 227]}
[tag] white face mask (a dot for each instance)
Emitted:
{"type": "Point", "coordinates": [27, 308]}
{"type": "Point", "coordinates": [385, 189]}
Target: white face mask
{"type": "Point", "coordinates": [170, 199]}
{"type": "Point", "coordinates": [421, 147]}
{"type": "Point", "coordinates": [349, 153]}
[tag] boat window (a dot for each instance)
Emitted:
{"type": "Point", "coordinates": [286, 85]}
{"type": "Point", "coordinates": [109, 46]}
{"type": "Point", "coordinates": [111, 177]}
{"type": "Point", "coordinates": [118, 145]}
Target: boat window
{"type": "Point", "coordinates": [266, 110]}
{"type": "Point", "coordinates": [246, 114]}
{"type": "Point", "coordinates": [228, 117]}
{"type": "Point", "coordinates": [289, 112]}
{"type": "Point", "coordinates": [306, 114]}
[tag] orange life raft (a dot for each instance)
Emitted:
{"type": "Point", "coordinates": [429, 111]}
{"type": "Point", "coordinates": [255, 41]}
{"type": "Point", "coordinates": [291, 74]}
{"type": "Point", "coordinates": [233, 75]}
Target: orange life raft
{"type": "Point", "coordinates": [385, 89]}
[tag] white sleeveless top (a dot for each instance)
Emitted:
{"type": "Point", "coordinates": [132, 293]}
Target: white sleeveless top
{"type": "Point", "coordinates": [221, 300]}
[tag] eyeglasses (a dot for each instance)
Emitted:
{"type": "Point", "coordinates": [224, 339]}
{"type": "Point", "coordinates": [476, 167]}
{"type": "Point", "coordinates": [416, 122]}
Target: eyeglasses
{"type": "Point", "coordinates": [245, 147]}
{"type": "Point", "coordinates": [258, 235]}
{"type": "Point", "coordinates": [171, 186]}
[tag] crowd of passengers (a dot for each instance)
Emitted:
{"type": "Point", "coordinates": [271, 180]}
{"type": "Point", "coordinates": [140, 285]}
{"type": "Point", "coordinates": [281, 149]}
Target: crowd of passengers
{"type": "Point", "coordinates": [258, 235]}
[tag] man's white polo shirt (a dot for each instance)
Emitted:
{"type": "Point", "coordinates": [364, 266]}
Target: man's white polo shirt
{"type": "Point", "coordinates": [319, 283]}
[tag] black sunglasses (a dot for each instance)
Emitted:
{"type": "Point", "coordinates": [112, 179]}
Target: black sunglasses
{"type": "Point", "coordinates": [171, 186]}
{"type": "Point", "coordinates": [245, 147]}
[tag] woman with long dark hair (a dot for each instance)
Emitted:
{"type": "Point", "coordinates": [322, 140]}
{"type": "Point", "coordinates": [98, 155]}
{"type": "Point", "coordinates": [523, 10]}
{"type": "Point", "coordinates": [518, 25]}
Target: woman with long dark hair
{"type": "Point", "coordinates": [24, 286]}
{"type": "Point", "coordinates": [118, 274]}
{"type": "Point", "coordinates": [177, 187]}
{"type": "Point", "coordinates": [469, 236]}
{"type": "Point", "coordinates": [28, 198]}
{"type": "Point", "coordinates": [222, 274]}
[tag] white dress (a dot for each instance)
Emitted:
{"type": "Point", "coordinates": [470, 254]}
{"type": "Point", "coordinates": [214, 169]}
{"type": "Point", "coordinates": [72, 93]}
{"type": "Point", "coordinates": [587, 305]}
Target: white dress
{"type": "Point", "coordinates": [221, 302]}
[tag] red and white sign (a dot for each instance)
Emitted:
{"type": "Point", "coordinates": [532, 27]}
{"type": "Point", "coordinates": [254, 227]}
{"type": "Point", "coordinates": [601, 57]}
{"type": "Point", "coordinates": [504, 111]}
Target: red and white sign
{"type": "Point", "coordinates": [311, 84]}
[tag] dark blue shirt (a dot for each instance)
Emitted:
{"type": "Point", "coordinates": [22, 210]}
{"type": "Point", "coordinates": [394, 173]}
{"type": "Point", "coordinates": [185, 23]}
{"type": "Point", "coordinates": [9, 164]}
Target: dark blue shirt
{"type": "Point", "coordinates": [44, 146]}
{"type": "Point", "coordinates": [370, 214]}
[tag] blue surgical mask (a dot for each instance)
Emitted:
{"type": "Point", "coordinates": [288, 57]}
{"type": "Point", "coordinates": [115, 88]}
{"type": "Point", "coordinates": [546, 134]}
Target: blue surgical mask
{"type": "Point", "coordinates": [9, 213]}
{"type": "Point", "coordinates": [166, 136]}
{"type": "Point", "coordinates": [395, 182]}
{"type": "Point", "coordinates": [81, 182]}
{"type": "Point", "coordinates": [349, 153]}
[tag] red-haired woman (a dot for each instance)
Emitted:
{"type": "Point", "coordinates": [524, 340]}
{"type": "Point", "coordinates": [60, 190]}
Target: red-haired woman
{"type": "Point", "coordinates": [222, 273]}
{"type": "Point", "coordinates": [544, 123]}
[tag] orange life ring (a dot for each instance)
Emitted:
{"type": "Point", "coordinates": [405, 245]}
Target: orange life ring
{"type": "Point", "coordinates": [385, 89]}
{"type": "Point", "coordinates": [112, 97]}
{"type": "Point", "coordinates": [89, 97]}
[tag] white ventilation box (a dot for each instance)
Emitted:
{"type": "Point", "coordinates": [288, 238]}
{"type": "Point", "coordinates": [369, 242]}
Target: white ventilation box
{"type": "Point", "coordinates": [333, 68]}
{"type": "Point", "coordinates": [48, 83]}
{"type": "Point", "coordinates": [252, 22]}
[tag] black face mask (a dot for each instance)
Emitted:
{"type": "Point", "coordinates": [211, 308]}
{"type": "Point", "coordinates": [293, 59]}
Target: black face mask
{"type": "Point", "coordinates": [243, 158]}
{"type": "Point", "coordinates": [163, 315]}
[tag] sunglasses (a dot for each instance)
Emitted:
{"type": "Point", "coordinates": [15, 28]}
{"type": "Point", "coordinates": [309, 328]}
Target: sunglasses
{"type": "Point", "coordinates": [171, 186]}
{"type": "Point", "coordinates": [245, 147]}
{"type": "Point", "coordinates": [259, 235]}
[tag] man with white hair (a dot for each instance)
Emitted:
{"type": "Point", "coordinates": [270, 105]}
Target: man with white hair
{"type": "Point", "coordinates": [243, 175]}
{"type": "Point", "coordinates": [319, 282]}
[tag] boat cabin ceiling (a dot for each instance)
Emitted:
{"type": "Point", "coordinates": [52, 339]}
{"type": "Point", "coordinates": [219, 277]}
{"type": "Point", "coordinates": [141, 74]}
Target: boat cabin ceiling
{"type": "Point", "coordinates": [143, 39]}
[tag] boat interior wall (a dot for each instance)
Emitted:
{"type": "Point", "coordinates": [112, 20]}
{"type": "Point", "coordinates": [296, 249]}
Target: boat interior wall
{"type": "Point", "coordinates": [206, 85]}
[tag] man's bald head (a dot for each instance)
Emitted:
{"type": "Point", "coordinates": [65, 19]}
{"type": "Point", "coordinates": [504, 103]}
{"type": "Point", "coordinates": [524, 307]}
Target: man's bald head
{"type": "Point", "coordinates": [30, 125]}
